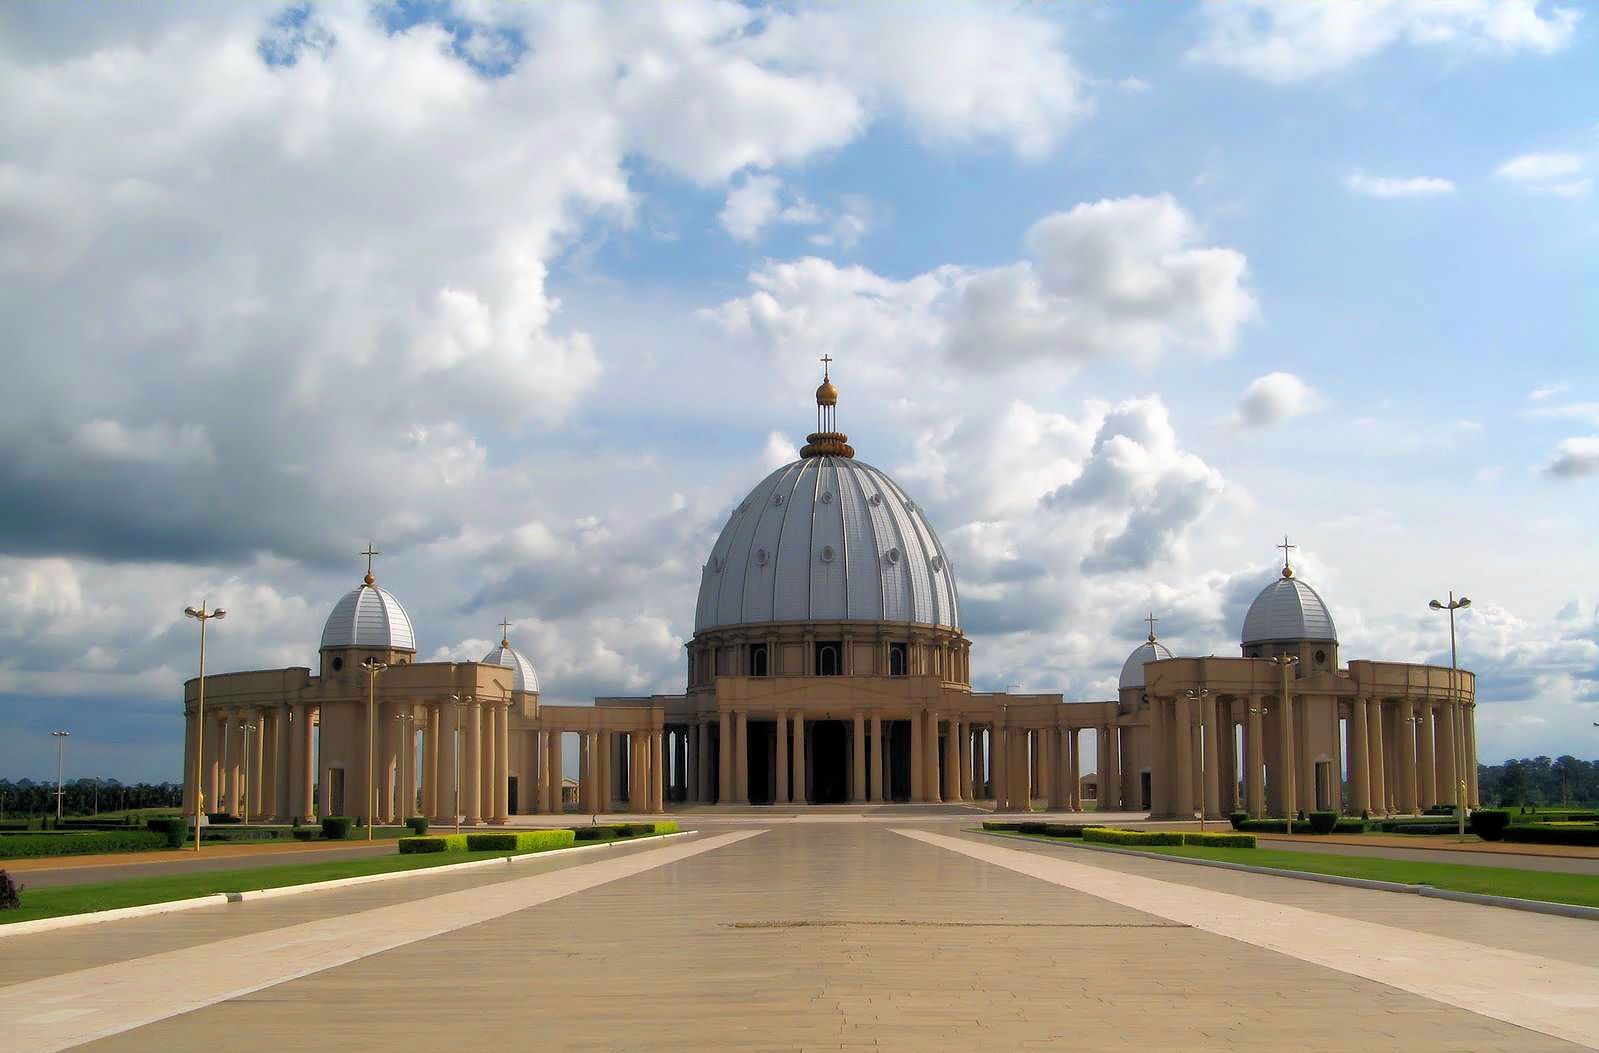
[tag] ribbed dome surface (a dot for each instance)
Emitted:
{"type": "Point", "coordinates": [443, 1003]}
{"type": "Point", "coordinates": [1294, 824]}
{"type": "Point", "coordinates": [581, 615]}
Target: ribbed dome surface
{"type": "Point", "coordinates": [523, 676]}
{"type": "Point", "coordinates": [824, 539]}
{"type": "Point", "coordinates": [368, 616]}
{"type": "Point", "coordinates": [1288, 609]}
{"type": "Point", "coordinates": [1133, 668]}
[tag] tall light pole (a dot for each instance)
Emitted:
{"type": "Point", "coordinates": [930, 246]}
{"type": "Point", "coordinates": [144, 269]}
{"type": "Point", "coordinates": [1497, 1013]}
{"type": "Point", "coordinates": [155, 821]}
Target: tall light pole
{"type": "Point", "coordinates": [1457, 727]}
{"type": "Point", "coordinates": [1286, 662]}
{"type": "Point", "coordinates": [373, 667]}
{"type": "Point", "coordinates": [461, 702]}
{"type": "Point", "coordinates": [1196, 697]}
{"type": "Point", "coordinates": [199, 718]}
{"type": "Point", "coordinates": [61, 741]}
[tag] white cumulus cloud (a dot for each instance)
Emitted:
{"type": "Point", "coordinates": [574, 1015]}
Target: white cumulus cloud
{"type": "Point", "coordinates": [1560, 174]}
{"type": "Point", "coordinates": [1397, 186]}
{"type": "Point", "coordinates": [1575, 458]}
{"type": "Point", "coordinates": [1273, 398]}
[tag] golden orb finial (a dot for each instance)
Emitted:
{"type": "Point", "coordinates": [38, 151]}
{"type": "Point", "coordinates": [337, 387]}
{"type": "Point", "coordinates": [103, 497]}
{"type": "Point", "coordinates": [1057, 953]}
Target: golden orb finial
{"type": "Point", "coordinates": [827, 394]}
{"type": "Point", "coordinates": [369, 553]}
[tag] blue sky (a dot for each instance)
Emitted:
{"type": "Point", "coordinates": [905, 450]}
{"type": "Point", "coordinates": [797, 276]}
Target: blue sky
{"type": "Point", "coordinates": [532, 294]}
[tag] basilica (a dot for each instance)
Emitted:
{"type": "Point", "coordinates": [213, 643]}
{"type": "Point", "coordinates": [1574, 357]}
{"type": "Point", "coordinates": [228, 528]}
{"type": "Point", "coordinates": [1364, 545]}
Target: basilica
{"type": "Point", "coordinates": [828, 667]}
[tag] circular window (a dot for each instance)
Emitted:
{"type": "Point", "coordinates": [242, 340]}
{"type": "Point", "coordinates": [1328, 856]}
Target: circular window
{"type": "Point", "coordinates": [876, 500]}
{"type": "Point", "coordinates": [937, 563]}
{"type": "Point", "coordinates": [760, 557]}
{"type": "Point", "coordinates": [827, 497]}
{"type": "Point", "coordinates": [1321, 657]}
{"type": "Point", "coordinates": [827, 553]}
{"type": "Point", "coordinates": [338, 663]}
{"type": "Point", "coordinates": [777, 499]}
{"type": "Point", "coordinates": [893, 555]}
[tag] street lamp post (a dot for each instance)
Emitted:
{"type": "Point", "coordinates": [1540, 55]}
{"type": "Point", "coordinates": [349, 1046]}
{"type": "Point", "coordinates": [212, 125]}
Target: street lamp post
{"type": "Point", "coordinates": [61, 741]}
{"type": "Point", "coordinates": [199, 718]}
{"type": "Point", "coordinates": [1286, 662]}
{"type": "Point", "coordinates": [1457, 728]}
{"type": "Point", "coordinates": [461, 702]}
{"type": "Point", "coordinates": [1197, 697]}
{"type": "Point", "coordinates": [373, 667]}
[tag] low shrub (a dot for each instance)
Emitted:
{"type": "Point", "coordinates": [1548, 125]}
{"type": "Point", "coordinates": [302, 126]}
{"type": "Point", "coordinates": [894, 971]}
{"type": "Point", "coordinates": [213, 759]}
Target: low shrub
{"type": "Point", "coordinates": [1323, 822]}
{"type": "Point", "coordinates": [93, 842]}
{"type": "Point", "coordinates": [492, 842]}
{"type": "Point", "coordinates": [1106, 835]}
{"type": "Point", "coordinates": [306, 834]}
{"type": "Point", "coordinates": [216, 818]}
{"type": "Point", "coordinates": [1550, 834]}
{"type": "Point", "coordinates": [1489, 823]}
{"type": "Point", "coordinates": [1271, 826]}
{"type": "Point", "coordinates": [1003, 827]}
{"type": "Point", "coordinates": [418, 824]}
{"type": "Point", "coordinates": [665, 826]}
{"type": "Point", "coordinates": [92, 824]}
{"type": "Point", "coordinates": [1440, 809]}
{"type": "Point", "coordinates": [10, 892]}
{"type": "Point", "coordinates": [255, 833]}
{"type": "Point", "coordinates": [435, 843]}
{"type": "Point", "coordinates": [595, 833]}
{"type": "Point", "coordinates": [1238, 819]}
{"type": "Point", "coordinates": [336, 827]}
{"type": "Point", "coordinates": [175, 829]}
{"type": "Point", "coordinates": [1425, 828]}
{"type": "Point", "coordinates": [1349, 826]}
{"type": "Point", "coordinates": [544, 840]}
{"type": "Point", "coordinates": [1220, 840]}
{"type": "Point", "coordinates": [1064, 829]}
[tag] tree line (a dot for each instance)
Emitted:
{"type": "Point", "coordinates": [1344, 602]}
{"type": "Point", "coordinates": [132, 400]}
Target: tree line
{"type": "Point", "coordinates": [1540, 781]}
{"type": "Point", "coordinates": [25, 797]}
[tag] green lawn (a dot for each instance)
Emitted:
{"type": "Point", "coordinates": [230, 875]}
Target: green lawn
{"type": "Point", "coordinates": [133, 892]}
{"type": "Point", "coordinates": [1550, 886]}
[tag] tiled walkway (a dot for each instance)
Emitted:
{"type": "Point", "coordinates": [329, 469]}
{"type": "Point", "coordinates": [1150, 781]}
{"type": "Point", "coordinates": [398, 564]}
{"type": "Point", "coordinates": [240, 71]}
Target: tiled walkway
{"type": "Point", "coordinates": [811, 936]}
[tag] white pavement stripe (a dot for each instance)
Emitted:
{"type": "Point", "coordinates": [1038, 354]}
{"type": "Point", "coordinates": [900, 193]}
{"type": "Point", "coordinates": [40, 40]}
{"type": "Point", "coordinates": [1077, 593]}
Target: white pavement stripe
{"type": "Point", "coordinates": [59, 1012]}
{"type": "Point", "coordinates": [1551, 997]}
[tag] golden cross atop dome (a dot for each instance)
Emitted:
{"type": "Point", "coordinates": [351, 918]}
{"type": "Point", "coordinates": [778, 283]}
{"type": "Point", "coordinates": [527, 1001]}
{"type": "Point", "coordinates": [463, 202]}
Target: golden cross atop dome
{"type": "Point", "coordinates": [369, 553]}
{"type": "Point", "coordinates": [1151, 620]}
{"type": "Point", "coordinates": [1288, 567]}
{"type": "Point", "coordinates": [505, 632]}
{"type": "Point", "coordinates": [826, 360]}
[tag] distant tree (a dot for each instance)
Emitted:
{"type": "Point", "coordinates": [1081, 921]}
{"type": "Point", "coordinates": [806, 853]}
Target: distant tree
{"type": "Point", "coordinates": [1513, 783]}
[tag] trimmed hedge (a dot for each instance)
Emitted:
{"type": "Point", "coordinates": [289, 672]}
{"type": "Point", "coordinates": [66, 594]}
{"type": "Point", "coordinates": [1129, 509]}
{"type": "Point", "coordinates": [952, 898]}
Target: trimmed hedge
{"type": "Point", "coordinates": [418, 824]}
{"type": "Point", "coordinates": [1108, 836]}
{"type": "Point", "coordinates": [433, 843]}
{"type": "Point", "coordinates": [336, 827]}
{"type": "Point", "coordinates": [596, 833]}
{"type": "Point", "coordinates": [254, 833]}
{"type": "Point", "coordinates": [175, 829]}
{"type": "Point", "coordinates": [520, 841]}
{"type": "Point", "coordinates": [1323, 822]}
{"type": "Point", "coordinates": [306, 834]}
{"type": "Point", "coordinates": [1003, 827]}
{"type": "Point", "coordinates": [1238, 819]}
{"type": "Point", "coordinates": [218, 818]}
{"type": "Point", "coordinates": [1220, 840]}
{"type": "Point", "coordinates": [665, 826]}
{"type": "Point", "coordinates": [1489, 823]}
{"type": "Point", "coordinates": [24, 846]}
{"type": "Point", "coordinates": [1425, 828]}
{"type": "Point", "coordinates": [1550, 834]}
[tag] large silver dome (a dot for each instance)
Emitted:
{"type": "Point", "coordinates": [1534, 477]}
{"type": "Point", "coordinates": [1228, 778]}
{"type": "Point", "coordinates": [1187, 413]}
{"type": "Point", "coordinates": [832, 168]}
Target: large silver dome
{"type": "Point", "coordinates": [368, 616]}
{"type": "Point", "coordinates": [827, 538]}
{"type": "Point", "coordinates": [1287, 610]}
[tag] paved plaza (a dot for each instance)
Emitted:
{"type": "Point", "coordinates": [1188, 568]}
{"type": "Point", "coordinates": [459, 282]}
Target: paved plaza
{"type": "Point", "coordinates": [914, 934]}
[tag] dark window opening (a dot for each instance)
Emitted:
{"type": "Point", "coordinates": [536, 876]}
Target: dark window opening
{"type": "Point", "coordinates": [1321, 657]}
{"type": "Point", "coordinates": [829, 658]}
{"type": "Point", "coordinates": [338, 663]}
{"type": "Point", "coordinates": [897, 661]}
{"type": "Point", "coordinates": [758, 663]}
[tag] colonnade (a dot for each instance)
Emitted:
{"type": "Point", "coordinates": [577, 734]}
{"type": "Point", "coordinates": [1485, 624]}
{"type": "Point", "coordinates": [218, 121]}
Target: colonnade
{"type": "Point", "coordinates": [257, 762]}
{"type": "Point", "coordinates": [1270, 755]}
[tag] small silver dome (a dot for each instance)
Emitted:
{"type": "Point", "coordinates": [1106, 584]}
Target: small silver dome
{"type": "Point", "coordinates": [827, 538]}
{"type": "Point", "coordinates": [1288, 609]}
{"type": "Point", "coordinates": [1133, 668]}
{"type": "Point", "coordinates": [368, 616]}
{"type": "Point", "coordinates": [523, 675]}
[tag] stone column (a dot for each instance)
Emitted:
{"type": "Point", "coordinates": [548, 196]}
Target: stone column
{"type": "Point", "coordinates": [918, 761]}
{"type": "Point", "coordinates": [1183, 743]}
{"type": "Point", "coordinates": [385, 748]}
{"type": "Point", "coordinates": [930, 763]}
{"type": "Point", "coordinates": [963, 741]}
{"type": "Point", "coordinates": [1286, 778]}
{"type": "Point", "coordinates": [1207, 707]}
{"type": "Point", "coordinates": [1074, 769]}
{"type": "Point", "coordinates": [487, 762]}
{"type": "Point", "coordinates": [858, 758]}
{"type": "Point", "coordinates": [997, 748]}
{"type": "Point", "coordinates": [1426, 760]}
{"type": "Point", "coordinates": [502, 765]}
{"type": "Point", "coordinates": [1359, 758]}
{"type": "Point", "coordinates": [1469, 716]}
{"type": "Point", "coordinates": [781, 725]}
{"type": "Point", "coordinates": [1052, 741]}
{"type": "Point", "coordinates": [1374, 752]}
{"type": "Point", "coordinates": [724, 756]}
{"type": "Point", "coordinates": [705, 763]}
{"type": "Point", "coordinates": [1021, 770]}
{"type": "Point", "coordinates": [431, 732]}
{"type": "Point", "coordinates": [691, 762]}
{"type": "Point", "coordinates": [741, 757]}
{"type": "Point", "coordinates": [1406, 747]}
{"type": "Point", "coordinates": [797, 782]}
{"type": "Point", "coordinates": [952, 760]}
{"type": "Point", "coordinates": [235, 766]}
{"type": "Point", "coordinates": [585, 778]}
{"type": "Point", "coordinates": [553, 764]}
{"type": "Point", "coordinates": [1445, 735]}
{"type": "Point", "coordinates": [877, 757]}
{"type": "Point", "coordinates": [294, 778]}
{"type": "Point", "coordinates": [281, 809]}
{"type": "Point", "coordinates": [1161, 803]}
{"type": "Point", "coordinates": [472, 765]}
{"type": "Point", "coordinates": [657, 771]}
{"type": "Point", "coordinates": [1254, 759]}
